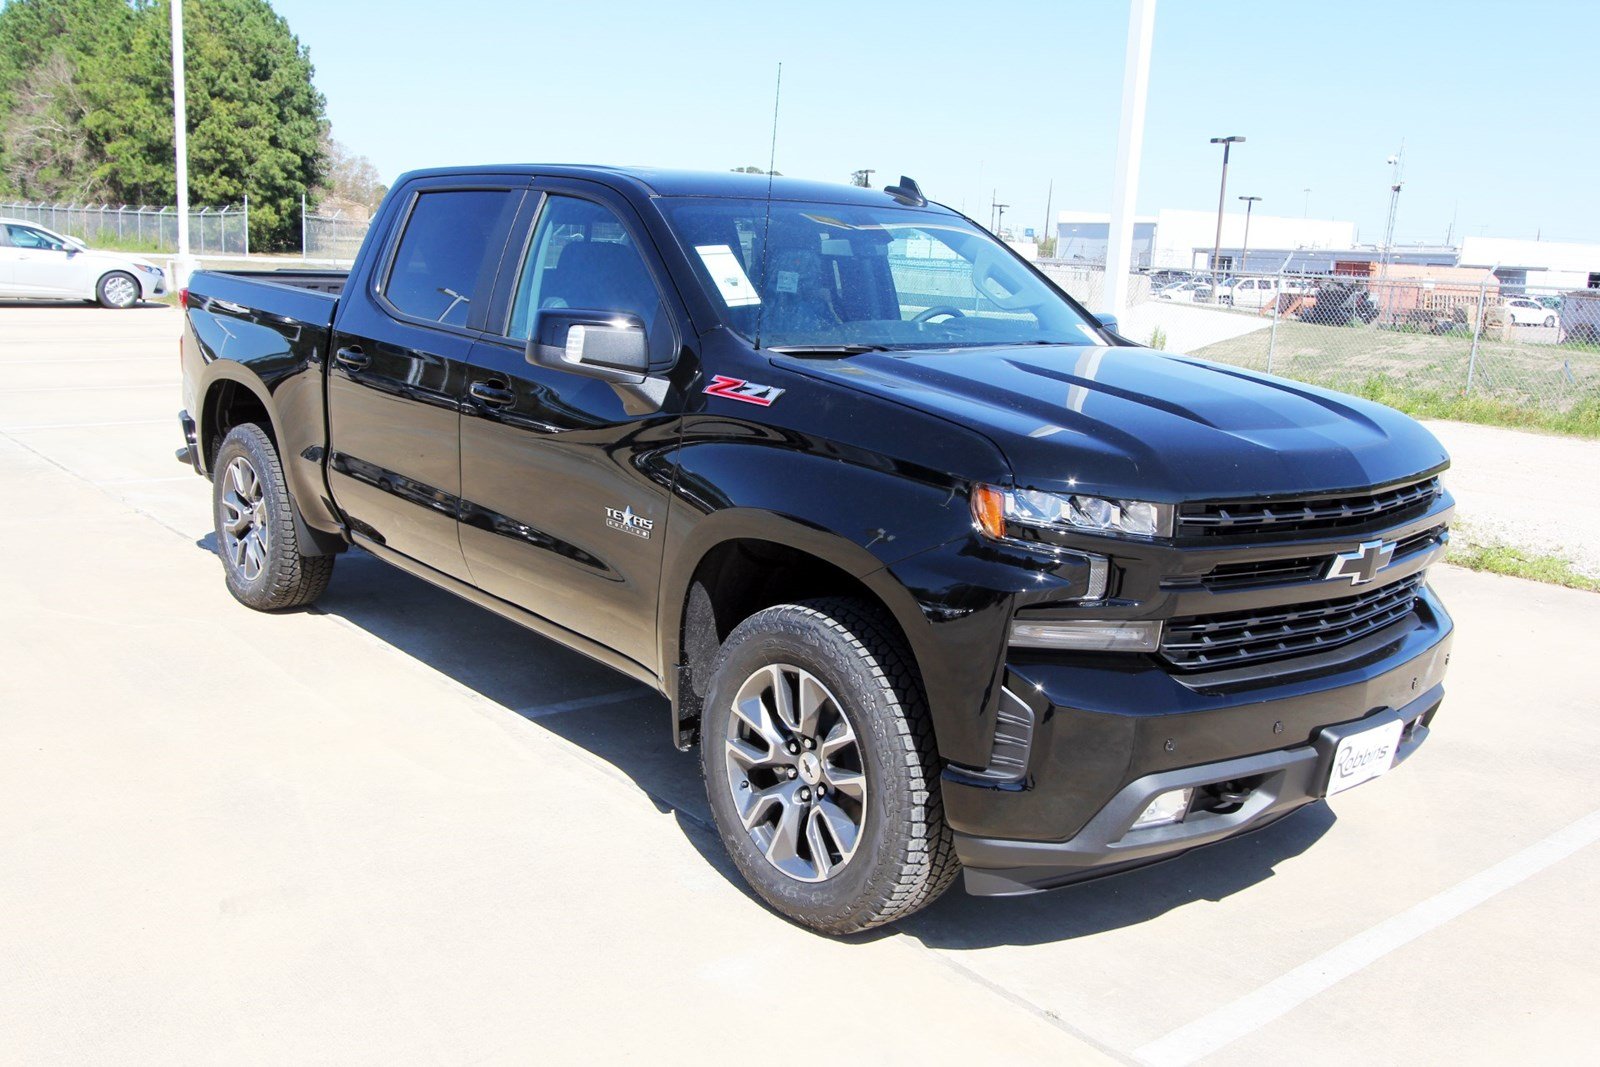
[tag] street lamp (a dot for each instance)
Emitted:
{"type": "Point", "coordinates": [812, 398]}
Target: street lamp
{"type": "Point", "coordinates": [1244, 253]}
{"type": "Point", "coordinates": [1227, 144]}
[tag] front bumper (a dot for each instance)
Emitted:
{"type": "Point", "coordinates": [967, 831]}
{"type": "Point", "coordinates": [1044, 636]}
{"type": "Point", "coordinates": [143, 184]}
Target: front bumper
{"type": "Point", "coordinates": [1110, 735]}
{"type": "Point", "coordinates": [1278, 783]}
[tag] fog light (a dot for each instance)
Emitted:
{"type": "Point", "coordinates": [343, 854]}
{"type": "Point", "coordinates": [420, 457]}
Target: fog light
{"type": "Point", "coordinates": [1167, 808]}
{"type": "Point", "coordinates": [1090, 635]}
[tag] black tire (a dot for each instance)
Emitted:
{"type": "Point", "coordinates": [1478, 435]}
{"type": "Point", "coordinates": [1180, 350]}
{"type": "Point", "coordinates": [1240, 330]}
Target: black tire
{"type": "Point", "coordinates": [903, 857]}
{"type": "Point", "coordinates": [256, 538]}
{"type": "Point", "coordinates": [1549, 320]}
{"type": "Point", "coordinates": [118, 290]}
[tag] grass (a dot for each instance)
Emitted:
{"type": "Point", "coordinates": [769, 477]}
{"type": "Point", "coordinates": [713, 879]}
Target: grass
{"type": "Point", "coordinates": [1547, 387]}
{"type": "Point", "coordinates": [1499, 558]}
{"type": "Point", "coordinates": [1580, 420]}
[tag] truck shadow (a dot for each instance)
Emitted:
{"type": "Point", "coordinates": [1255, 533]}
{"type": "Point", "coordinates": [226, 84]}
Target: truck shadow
{"type": "Point", "coordinates": [625, 725]}
{"type": "Point", "coordinates": [959, 921]}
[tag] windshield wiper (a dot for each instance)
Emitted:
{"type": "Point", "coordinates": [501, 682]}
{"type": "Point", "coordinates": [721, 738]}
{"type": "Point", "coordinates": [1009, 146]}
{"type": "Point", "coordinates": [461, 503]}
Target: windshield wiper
{"type": "Point", "coordinates": [826, 350]}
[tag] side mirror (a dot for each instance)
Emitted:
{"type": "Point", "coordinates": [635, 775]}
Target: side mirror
{"type": "Point", "coordinates": [608, 345]}
{"type": "Point", "coordinates": [1107, 320]}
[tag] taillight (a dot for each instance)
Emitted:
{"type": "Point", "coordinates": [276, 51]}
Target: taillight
{"type": "Point", "coordinates": [183, 298]}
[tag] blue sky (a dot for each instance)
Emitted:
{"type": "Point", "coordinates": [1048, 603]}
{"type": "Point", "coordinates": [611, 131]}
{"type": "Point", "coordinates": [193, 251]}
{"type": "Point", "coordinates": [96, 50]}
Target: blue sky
{"type": "Point", "coordinates": [1492, 100]}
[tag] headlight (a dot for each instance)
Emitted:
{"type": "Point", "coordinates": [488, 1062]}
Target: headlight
{"type": "Point", "coordinates": [149, 269]}
{"type": "Point", "coordinates": [993, 508]}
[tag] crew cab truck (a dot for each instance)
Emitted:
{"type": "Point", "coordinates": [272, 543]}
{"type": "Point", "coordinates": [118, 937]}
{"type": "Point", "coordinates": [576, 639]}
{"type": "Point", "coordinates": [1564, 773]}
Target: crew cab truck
{"type": "Point", "coordinates": [940, 573]}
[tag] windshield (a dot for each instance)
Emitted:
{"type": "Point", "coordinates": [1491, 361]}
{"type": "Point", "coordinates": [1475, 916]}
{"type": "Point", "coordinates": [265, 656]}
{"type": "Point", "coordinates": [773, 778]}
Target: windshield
{"type": "Point", "coordinates": [839, 275]}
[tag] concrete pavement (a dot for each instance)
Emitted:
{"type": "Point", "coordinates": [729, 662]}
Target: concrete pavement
{"type": "Point", "coordinates": [399, 829]}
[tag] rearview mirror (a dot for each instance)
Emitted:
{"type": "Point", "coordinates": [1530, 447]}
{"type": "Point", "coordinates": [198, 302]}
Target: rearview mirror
{"type": "Point", "coordinates": [608, 345]}
{"type": "Point", "coordinates": [1107, 320]}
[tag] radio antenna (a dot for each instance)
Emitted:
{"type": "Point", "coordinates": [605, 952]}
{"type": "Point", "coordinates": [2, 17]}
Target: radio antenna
{"type": "Point", "coordinates": [766, 225]}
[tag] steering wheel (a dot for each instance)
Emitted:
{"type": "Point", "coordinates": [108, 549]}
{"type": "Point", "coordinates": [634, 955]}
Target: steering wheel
{"type": "Point", "coordinates": [929, 314]}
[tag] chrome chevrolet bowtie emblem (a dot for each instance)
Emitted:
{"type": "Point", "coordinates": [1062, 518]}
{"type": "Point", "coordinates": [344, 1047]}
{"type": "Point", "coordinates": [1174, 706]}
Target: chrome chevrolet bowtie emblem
{"type": "Point", "coordinates": [1362, 565]}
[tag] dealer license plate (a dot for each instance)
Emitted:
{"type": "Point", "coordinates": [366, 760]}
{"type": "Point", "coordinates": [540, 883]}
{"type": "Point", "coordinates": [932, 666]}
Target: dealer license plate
{"type": "Point", "coordinates": [1363, 756]}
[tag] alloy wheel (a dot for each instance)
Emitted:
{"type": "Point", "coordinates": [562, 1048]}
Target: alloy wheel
{"type": "Point", "coordinates": [795, 771]}
{"type": "Point", "coordinates": [121, 291]}
{"type": "Point", "coordinates": [244, 519]}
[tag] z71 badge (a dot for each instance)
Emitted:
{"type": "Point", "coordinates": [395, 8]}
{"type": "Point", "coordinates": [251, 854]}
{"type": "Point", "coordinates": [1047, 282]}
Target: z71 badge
{"type": "Point", "coordinates": [739, 389]}
{"type": "Point", "coordinates": [626, 521]}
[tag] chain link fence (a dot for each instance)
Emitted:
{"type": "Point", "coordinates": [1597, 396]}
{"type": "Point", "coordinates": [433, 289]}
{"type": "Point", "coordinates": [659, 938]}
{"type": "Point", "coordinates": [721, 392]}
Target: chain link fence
{"type": "Point", "coordinates": [335, 236]}
{"type": "Point", "coordinates": [1445, 332]}
{"type": "Point", "coordinates": [212, 231]}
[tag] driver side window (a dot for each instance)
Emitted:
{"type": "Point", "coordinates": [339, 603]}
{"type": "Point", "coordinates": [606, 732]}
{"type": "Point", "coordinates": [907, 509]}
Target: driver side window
{"type": "Point", "coordinates": [28, 237]}
{"type": "Point", "coordinates": [582, 257]}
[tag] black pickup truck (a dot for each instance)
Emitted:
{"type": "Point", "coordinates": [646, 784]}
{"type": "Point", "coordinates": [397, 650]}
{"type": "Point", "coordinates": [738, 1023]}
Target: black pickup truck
{"type": "Point", "coordinates": [941, 573]}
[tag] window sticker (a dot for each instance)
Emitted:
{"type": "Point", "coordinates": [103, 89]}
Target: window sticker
{"type": "Point", "coordinates": [788, 281]}
{"type": "Point", "coordinates": [728, 275]}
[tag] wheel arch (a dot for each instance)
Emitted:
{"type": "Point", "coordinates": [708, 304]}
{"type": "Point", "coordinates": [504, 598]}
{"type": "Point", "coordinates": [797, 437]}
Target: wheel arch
{"type": "Point", "coordinates": [232, 396]}
{"type": "Point", "coordinates": [740, 561]}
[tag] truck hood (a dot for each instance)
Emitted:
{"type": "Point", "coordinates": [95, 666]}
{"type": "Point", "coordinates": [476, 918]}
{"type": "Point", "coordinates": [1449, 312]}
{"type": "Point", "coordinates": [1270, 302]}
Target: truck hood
{"type": "Point", "coordinates": [1147, 425]}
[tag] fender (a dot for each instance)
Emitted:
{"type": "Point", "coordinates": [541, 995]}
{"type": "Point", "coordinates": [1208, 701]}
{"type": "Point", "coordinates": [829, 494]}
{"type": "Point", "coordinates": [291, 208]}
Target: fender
{"type": "Point", "coordinates": [862, 513]}
{"type": "Point", "coordinates": [279, 361]}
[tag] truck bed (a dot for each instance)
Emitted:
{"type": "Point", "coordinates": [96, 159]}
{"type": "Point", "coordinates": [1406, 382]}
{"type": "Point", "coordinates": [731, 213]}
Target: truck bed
{"type": "Point", "coordinates": [304, 297]}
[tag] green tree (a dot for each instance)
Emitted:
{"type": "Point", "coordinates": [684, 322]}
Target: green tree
{"type": "Point", "coordinates": [86, 107]}
{"type": "Point", "coordinates": [256, 120]}
{"type": "Point", "coordinates": [58, 59]}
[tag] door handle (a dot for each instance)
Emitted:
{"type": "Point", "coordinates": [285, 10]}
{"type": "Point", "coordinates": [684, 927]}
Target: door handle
{"type": "Point", "coordinates": [492, 393]}
{"type": "Point", "coordinates": [352, 358]}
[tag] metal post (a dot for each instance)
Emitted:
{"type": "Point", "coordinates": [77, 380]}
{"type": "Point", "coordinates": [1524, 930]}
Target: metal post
{"type": "Point", "coordinates": [1130, 148]}
{"type": "Point", "coordinates": [1244, 251]}
{"type": "Point", "coordinates": [1227, 144]}
{"type": "Point", "coordinates": [1477, 331]}
{"type": "Point", "coordinates": [1277, 303]}
{"type": "Point", "coordinates": [302, 225]}
{"type": "Point", "coordinates": [180, 138]}
{"type": "Point", "coordinates": [247, 224]}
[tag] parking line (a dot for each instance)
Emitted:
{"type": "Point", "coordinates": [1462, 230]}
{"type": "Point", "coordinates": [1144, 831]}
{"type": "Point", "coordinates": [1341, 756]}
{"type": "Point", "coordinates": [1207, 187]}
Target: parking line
{"type": "Point", "coordinates": [539, 711]}
{"type": "Point", "coordinates": [1283, 994]}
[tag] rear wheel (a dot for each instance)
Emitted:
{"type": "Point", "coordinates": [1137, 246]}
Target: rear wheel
{"type": "Point", "coordinates": [118, 290]}
{"type": "Point", "coordinates": [821, 768]}
{"type": "Point", "coordinates": [261, 555]}
{"type": "Point", "coordinates": [1549, 320]}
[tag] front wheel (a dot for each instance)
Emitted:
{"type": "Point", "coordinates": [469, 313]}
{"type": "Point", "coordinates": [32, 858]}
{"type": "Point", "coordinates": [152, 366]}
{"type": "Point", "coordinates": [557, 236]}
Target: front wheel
{"type": "Point", "coordinates": [118, 290]}
{"type": "Point", "coordinates": [261, 556]}
{"type": "Point", "coordinates": [1549, 320]}
{"type": "Point", "coordinates": [821, 768]}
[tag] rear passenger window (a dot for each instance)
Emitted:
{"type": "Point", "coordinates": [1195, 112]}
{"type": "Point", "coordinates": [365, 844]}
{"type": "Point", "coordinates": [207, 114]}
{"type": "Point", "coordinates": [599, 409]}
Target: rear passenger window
{"type": "Point", "coordinates": [443, 251]}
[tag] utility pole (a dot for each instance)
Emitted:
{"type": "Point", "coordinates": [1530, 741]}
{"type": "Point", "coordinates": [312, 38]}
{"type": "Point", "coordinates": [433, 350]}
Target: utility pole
{"type": "Point", "coordinates": [862, 177]}
{"type": "Point", "coordinates": [1047, 233]}
{"type": "Point", "coordinates": [1397, 162]}
{"type": "Point", "coordinates": [1227, 144]}
{"type": "Point", "coordinates": [1130, 149]}
{"type": "Point", "coordinates": [184, 264]}
{"type": "Point", "coordinates": [997, 213]}
{"type": "Point", "coordinates": [1244, 252]}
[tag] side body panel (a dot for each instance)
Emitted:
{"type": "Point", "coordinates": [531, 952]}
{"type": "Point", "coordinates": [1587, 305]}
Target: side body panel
{"type": "Point", "coordinates": [271, 340]}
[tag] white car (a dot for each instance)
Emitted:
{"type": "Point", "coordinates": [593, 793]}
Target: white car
{"type": "Point", "coordinates": [1523, 311]}
{"type": "Point", "coordinates": [42, 264]}
{"type": "Point", "coordinates": [1184, 292]}
{"type": "Point", "coordinates": [1257, 292]}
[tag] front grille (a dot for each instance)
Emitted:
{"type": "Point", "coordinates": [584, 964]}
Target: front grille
{"type": "Point", "coordinates": [1203, 642]}
{"type": "Point", "coordinates": [1309, 515]}
{"type": "Point", "coordinates": [1248, 575]}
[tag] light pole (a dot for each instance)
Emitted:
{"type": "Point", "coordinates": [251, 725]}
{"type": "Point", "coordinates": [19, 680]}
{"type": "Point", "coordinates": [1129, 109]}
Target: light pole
{"type": "Point", "coordinates": [1305, 210]}
{"type": "Point", "coordinates": [184, 263]}
{"type": "Point", "coordinates": [1227, 144]}
{"type": "Point", "coordinates": [1244, 253]}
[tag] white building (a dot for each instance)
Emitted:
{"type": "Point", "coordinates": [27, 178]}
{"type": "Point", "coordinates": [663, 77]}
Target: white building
{"type": "Point", "coordinates": [1538, 265]}
{"type": "Point", "coordinates": [1184, 239]}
